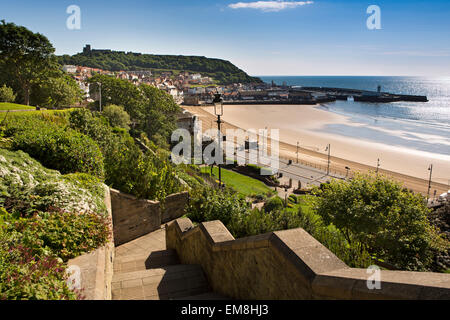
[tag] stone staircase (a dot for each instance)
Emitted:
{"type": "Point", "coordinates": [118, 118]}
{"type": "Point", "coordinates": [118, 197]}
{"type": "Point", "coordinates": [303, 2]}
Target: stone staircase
{"type": "Point", "coordinates": [145, 270]}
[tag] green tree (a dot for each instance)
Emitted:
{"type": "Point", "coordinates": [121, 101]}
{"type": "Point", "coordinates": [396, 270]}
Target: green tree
{"type": "Point", "coordinates": [160, 112]}
{"type": "Point", "coordinates": [7, 94]}
{"type": "Point", "coordinates": [117, 116]}
{"type": "Point", "coordinates": [152, 110]}
{"type": "Point", "coordinates": [119, 92]}
{"type": "Point", "coordinates": [382, 217]}
{"type": "Point", "coordinates": [62, 91]}
{"type": "Point", "coordinates": [25, 58]}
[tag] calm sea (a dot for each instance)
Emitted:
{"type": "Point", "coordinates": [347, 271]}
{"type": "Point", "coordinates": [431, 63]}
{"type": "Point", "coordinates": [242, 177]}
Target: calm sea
{"type": "Point", "coordinates": [414, 125]}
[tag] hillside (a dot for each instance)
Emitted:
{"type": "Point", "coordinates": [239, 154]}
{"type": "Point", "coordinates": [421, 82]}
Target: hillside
{"type": "Point", "coordinates": [224, 72]}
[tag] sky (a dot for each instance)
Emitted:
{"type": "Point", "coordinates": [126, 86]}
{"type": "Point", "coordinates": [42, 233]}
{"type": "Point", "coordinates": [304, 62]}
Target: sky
{"type": "Point", "coordinates": [278, 37]}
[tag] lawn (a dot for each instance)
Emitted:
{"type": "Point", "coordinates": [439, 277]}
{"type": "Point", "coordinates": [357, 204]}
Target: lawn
{"type": "Point", "coordinates": [4, 106]}
{"type": "Point", "coordinates": [244, 185]}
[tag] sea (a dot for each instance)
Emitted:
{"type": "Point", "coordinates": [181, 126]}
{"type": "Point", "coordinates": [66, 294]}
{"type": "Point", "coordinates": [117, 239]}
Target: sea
{"type": "Point", "coordinates": [422, 126]}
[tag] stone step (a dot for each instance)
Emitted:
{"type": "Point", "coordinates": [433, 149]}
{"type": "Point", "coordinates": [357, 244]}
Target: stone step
{"type": "Point", "coordinates": [136, 262]}
{"type": "Point", "coordinates": [170, 282]}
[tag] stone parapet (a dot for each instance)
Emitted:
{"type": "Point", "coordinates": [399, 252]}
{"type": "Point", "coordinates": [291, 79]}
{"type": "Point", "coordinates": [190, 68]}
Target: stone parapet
{"type": "Point", "coordinates": [288, 264]}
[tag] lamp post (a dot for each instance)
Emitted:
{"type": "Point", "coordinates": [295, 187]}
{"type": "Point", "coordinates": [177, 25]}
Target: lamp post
{"type": "Point", "coordinates": [298, 143]}
{"type": "Point", "coordinates": [100, 93]}
{"type": "Point", "coordinates": [430, 168]}
{"type": "Point", "coordinates": [348, 169]}
{"type": "Point", "coordinates": [218, 111]}
{"type": "Point", "coordinates": [378, 165]}
{"type": "Point", "coordinates": [329, 150]}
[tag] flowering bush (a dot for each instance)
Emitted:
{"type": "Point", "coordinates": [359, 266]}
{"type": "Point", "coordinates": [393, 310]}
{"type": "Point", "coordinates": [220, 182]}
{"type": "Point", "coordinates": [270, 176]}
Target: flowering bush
{"type": "Point", "coordinates": [61, 234]}
{"type": "Point", "coordinates": [24, 275]}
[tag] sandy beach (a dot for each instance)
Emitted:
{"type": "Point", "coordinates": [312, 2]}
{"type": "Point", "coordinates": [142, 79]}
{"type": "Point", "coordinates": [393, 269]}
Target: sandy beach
{"type": "Point", "coordinates": [303, 123]}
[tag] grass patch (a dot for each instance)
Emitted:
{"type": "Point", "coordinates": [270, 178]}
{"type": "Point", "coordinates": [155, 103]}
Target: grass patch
{"type": "Point", "coordinates": [242, 184]}
{"type": "Point", "coordinates": [4, 106]}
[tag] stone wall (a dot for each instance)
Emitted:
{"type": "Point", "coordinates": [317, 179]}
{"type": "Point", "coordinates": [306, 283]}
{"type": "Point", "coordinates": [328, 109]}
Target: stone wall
{"type": "Point", "coordinates": [174, 206]}
{"type": "Point", "coordinates": [288, 264]}
{"type": "Point", "coordinates": [133, 218]}
{"type": "Point", "coordinates": [93, 272]}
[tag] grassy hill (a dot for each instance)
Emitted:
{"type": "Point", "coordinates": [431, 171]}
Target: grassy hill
{"type": "Point", "coordinates": [224, 72]}
{"type": "Point", "coordinates": [5, 106]}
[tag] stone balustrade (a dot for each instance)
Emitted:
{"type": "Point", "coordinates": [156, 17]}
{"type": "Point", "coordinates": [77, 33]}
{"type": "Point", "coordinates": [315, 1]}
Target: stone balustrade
{"type": "Point", "coordinates": [288, 264]}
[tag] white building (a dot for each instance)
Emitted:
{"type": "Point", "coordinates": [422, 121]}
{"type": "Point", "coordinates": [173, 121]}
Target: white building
{"type": "Point", "coordinates": [69, 68]}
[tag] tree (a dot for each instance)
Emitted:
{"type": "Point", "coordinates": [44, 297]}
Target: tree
{"type": "Point", "coordinates": [119, 92]}
{"type": "Point", "coordinates": [152, 110]}
{"type": "Point", "coordinates": [61, 91]}
{"type": "Point", "coordinates": [382, 217]}
{"type": "Point", "coordinates": [160, 113]}
{"type": "Point", "coordinates": [7, 94]}
{"type": "Point", "coordinates": [25, 58]}
{"type": "Point", "coordinates": [117, 116]}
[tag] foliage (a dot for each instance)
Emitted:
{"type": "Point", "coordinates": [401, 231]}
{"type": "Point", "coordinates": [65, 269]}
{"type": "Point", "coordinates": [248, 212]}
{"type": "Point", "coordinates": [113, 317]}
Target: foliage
{"type": "Point", "coordinates": [160, 111]}
{"type": "Point", "coordinates": [57, 233]}
{"type": "Point", "coordinates": [62, 149]}
{"type": "Point", "coordinates": [26, 185]}
{"type": "Point", "coordinates": [222, 71]}
{"type": "Point", "coordinates": [56, 92]}
{"type": "Point", "coordinates": [7, 94]}
{"type": "Point", "coordinates": [127, 168]}
{"type": "Point", "coordinates": [152, 110]}
{"type": "Point", "coordinates": [206, 204]}
{"type": "Point", "coordinates": [275, 203]}
{"type": "Point", "coordinates": [50, 218]}
{"type": "Point", "coordinates": [25, 59]}
{"type": "Point", "coordinates": [381, 217]}
{"type": "Point", "coordinates": [23, 276]}
{"type": "Point", "coordinates": [117, 116]}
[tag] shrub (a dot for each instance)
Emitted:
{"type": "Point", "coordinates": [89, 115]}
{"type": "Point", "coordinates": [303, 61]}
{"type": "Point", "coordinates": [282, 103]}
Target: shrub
{"type": "Point", "coordinates": [273, 204]}
{"type": "Point", "coordinates": [7, 94]}
{"type": "Point", "coordinates": [28, 187]}
{"type": "Point", "coordinates": [24, 276]}
{"type": "Point", "coordinates": [60, 234]}
{"type": "Point", "coordinates": [127, 168]}
{"type": "Point", "coordinates": [61, 149]}
{"type": "Point", "coordinates": [206, 204]}
{"type": "Point", "coordinates": [117, 116]}
{"type": "Point", "coordinates": [382, 217]}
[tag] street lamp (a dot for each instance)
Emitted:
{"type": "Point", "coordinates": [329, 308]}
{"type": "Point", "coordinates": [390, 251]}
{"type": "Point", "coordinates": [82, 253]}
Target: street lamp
{"type": "Point", "coordinates": [100, 92]}
{"type": "Point", "coordinates": [378, 166]}
{"type": "Point", "coordinates": [329, 150]}
{"type": "Point", "coordinates": [348, 169]}
{"type": "Point", "coordinates": [298, 143]}
{"type": "Point", "coordinates": [430, 168]}
{"type": "Point", "coordinates": [218, 111]}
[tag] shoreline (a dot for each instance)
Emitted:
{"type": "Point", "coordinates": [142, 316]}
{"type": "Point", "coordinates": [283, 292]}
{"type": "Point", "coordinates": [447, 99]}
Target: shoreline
{"type": "Point", "coordinates": [397, 163]}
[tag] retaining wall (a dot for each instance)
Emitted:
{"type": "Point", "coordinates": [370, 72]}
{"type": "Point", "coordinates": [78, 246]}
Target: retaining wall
{"type": "Point", "coordinates": [133, 218]}
{"type": "Point", "coordinates": [93, 271]}
{"type": "Point", "coordinates": [288, 264]}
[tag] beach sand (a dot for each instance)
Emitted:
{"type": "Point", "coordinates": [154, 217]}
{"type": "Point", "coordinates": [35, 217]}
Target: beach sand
{"type": "Point", "coordinates": [303, 123]}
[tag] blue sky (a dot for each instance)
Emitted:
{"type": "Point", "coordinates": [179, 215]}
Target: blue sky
{"type": "Point", "coordinates": [326, 37]}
